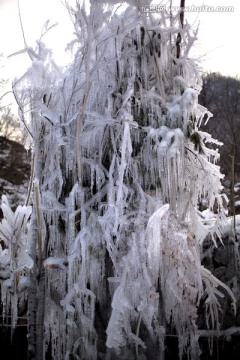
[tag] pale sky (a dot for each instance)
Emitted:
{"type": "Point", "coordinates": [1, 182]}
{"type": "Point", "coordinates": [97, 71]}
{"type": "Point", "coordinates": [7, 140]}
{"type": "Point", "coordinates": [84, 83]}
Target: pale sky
{"type": "Point", "coordinates": [34, 14]}
{"type": "Point", "coordinates": [217, 44]}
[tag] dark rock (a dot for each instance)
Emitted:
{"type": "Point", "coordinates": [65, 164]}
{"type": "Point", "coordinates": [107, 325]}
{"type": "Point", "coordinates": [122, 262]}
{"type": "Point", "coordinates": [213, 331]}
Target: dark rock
{"type": "Point", "coordinates": [15, 167]}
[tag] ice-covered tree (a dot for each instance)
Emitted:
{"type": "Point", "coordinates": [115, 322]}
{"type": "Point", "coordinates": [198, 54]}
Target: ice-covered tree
{"type": "Point", "coordinates": [119, 168]}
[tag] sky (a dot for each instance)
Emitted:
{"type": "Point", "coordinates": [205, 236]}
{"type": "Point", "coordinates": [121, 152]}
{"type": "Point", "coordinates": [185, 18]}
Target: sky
{"type": "Point", "coordinates": [217, 44]}
{"type": "Point", "coordinates": [216, 47]}
{"type": "Point", "coordinates": [34, 14]}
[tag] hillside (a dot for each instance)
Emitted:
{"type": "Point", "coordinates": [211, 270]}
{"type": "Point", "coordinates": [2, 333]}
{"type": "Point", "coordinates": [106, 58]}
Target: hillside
{"type": "Point", "coordinates": [15, 165]}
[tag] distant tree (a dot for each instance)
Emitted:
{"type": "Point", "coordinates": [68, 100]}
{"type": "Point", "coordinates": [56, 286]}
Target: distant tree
{"type": "Point", "coordinates": [9, 124]}
{"type": "Point", "coordinates": [111, 263]}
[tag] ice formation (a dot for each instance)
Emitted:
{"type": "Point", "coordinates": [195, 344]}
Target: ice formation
{"type": "Point", "coordinates": [119, 168]}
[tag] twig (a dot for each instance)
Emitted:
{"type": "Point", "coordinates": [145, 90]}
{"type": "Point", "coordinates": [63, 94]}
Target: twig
{"type": "Point", "coordinates": [21, 114]}
{"type": "Point", "coordinates": [179, 36]}
{"type": "Point", "coordinates": [137, 333]}
{"type": "Point", "coordinates": [6, 93]}
{"type": "Point", "coordinates": [187, 148]}
{"type": "Point", "coordinates": [39, 227]}
{"type": "Point", "coordinates": [23, 33]}
{"type": "Point", "coordinates": [30, 183]}
{"type": "Point", "coordinates": [79, 133]}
